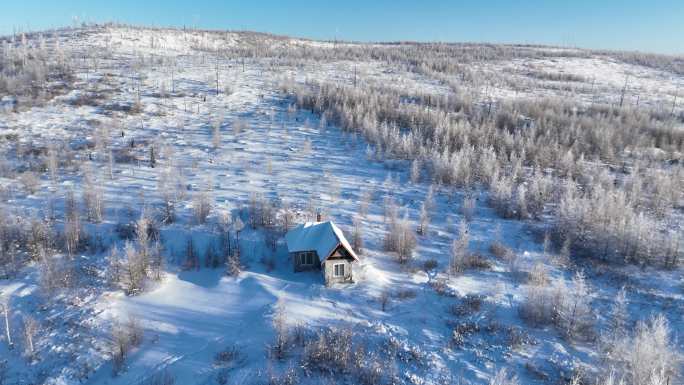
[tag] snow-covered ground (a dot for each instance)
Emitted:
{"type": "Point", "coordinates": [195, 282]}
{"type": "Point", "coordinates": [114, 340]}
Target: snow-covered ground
{"type": "Point", "coordinates": [288, 156]}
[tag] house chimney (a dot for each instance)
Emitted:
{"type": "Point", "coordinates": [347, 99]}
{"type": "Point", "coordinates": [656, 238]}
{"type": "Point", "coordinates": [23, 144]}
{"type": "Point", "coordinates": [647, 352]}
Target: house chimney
{"type": "Point", "coordinates": [318, 216]}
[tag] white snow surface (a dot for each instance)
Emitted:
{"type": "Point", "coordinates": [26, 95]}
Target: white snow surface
{"type": "Point", "coordinates": [191, 315]}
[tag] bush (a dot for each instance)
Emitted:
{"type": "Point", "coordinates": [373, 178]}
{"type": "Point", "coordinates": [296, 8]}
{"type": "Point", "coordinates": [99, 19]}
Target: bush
{"type": "Point", "coordinates": [459, 249]}
{"type": "Point", "coordinates": [163, 378]}
{"type": "Point", "coordinates": [470, 304]}
{"type": "Point", "coordinates": [502, 378]}
{"type": "Point", "coordinates": [29, 181]}
{"type": "Point", "coordinates": [124, 337]}
{"type": "Point", "coordinates": [201, 206]}
{"type": "Point", "coordinates": [650, 356]}
{"type": "Point", "coordinates": [462, 331]}
{"type": "Point", "coordinates": [329, 351]}
{"type": "Point", "coordinates": [282, 344]}
{"type": "Point", "coordinates": [566, 307]}
{"type": "Point", "coordinates": [399, 238]}
{"type": "Point", "coordinates": [439, 285]}
{"type": "Point", "coordinates": [229, 357]}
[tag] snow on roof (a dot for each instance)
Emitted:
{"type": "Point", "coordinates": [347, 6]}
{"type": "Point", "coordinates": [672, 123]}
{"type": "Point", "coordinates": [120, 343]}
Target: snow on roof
{"type": "Point", "coordinates": [323, 237]}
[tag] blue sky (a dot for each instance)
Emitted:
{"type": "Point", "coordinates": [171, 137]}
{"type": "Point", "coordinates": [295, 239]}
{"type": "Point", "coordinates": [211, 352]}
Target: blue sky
{"type": "Point", "coordinates": [655, 26]}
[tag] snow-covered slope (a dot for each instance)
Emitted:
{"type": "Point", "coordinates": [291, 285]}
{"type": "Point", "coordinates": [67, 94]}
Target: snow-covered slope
{"type": "Point", "coordinates": [412, 323]}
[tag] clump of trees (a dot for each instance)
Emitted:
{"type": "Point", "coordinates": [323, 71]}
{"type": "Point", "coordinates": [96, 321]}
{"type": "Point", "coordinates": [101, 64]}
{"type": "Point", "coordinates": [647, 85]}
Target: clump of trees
{"type": "Point", "coordinates": [565, 306]}
{"type": "Point", "coordinates": [340, 352]}
{"type": "Point", "coordinates": [125, 336]}
{"type": "Point", "coordinates": [535, 157]}
{"type": "Point", "coordinates": [138, 261]}
{"type": "Point", "coordinates": [399, 236]}
{"type": "Point", "coordinates": [28, 65]}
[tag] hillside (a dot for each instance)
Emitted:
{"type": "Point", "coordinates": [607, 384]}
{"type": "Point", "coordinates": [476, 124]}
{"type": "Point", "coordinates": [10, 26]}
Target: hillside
{"type": "Point", "coordinates": [518, 210]}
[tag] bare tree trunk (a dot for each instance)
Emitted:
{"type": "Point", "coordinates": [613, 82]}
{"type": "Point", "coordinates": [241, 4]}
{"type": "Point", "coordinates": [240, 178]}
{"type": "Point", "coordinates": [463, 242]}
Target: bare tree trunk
{"type": "Point", "coordinates": [217, 74]}
{"type": "Point", "coordinates": [624, 90]}
{"type": "Point", "coordinates": [5, 308]}
{"type": "Point", "coordinates": [674, 101]}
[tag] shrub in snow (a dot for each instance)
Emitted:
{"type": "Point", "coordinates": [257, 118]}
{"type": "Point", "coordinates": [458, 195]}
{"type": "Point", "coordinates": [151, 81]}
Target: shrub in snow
{"type": "Point", "coordinates": [440, 286]}
{"type": "Point", "coordinates": [415, 171]}
{"type": "Point", "coordinates": [399, 238]}
{"type": "Point", "coordinates": [459, 249]}
{"type": "Point", "coordinates": [288, 377]}
{"type": "Point", "coordinates": [72, 224]}
{"type": "Point", "coordinates": [468, 207]}
{"type": "Point", "coordinates": [216, 133]}
{"type": "Point", "coordinates": [55, 273]}
{"type": "Point", "coordinates": [134, 270]}
{"type": "Point", "coordinates": [503, 378]}
{"type": "Point", "coordinates": [124, 337]}
{"type": "Point", "coordinates": [30, 329]}
{"type": "Point", "coordinates": [648, 356]}
{"type": "Point", "coordinates": [93, 198]}
{"type": "Point", "coordinates": [538, 275]}
{"type": "Point", "coordinates": [357, 236]}
{"type": "Point", "coordinates": [424, 220]}
{"type": "Point", "coordinates": [163, 378]}
{"type": "Point", "coordinates": [461, 331]}
{"type": "Point", "coordinates": [230, 356]}
{"type": "Point", "coordinates": [568, 307]}
{"type": "Point", "coordinates": [282, 343]}
{"type": "Point", "coordinates": [233, 265]}
{"type": "Point", "coordinates": [201, 206]}
{"type": "Point", "coordinates": [365, 201]}
{"type": "Point", "coordinates": [575, 316]}
{"type": "Point", "coordinates": [52, 163]}
{"type": "Point", "coordinates": [470, 304]}
{"type": "Point", "coordinates": [330, 350]}
{"type": "Point", "coordinates": [618, 320]}
{"type": "Point", "coordinates": [29, 181]}
{"type": "Point", "coordinates": [170, 190]}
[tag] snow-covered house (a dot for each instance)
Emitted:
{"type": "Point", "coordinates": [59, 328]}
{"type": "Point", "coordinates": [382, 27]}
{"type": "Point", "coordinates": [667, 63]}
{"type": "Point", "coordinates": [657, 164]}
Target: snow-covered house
{"type": "Point", "coordinates": [321, 246]}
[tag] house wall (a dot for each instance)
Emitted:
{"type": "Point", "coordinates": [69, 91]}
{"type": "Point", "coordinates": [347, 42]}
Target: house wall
{"type": "Point", "coordinates": [329, 271]}
{"type": "Point", "coordinates": [299, 267]}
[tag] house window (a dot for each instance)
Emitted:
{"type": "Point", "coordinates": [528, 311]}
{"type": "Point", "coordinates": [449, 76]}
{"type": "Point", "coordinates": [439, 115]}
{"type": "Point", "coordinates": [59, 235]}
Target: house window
{"type": "Point", "coordinates": [338, 270]}
{"type": "Point", "coordinates": [307, 258]}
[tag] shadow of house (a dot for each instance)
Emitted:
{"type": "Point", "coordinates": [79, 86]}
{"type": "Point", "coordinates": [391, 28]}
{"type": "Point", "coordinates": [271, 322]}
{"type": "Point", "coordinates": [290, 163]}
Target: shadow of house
{"type": "Point", "coordinates": [321, 246]}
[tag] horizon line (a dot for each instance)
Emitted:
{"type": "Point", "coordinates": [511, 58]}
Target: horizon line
{"type": "Point", "coordinates": [87, 25]}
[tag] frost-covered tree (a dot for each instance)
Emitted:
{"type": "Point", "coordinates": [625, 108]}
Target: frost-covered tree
{"type": "Point", "coordinates": [459, 249]}
{"type": "Point", "coordinates": [201, 206]}
{"type": "Point", "coordinates": [72, 224]}
{"type": "Point", "coordinates": [30, 329]}
{"type": "Point", "coordinates": [93, 198]}
{"type": "Point", "coordinates": [646, 356]}
{"type": "Point", "coordinates": [619, 316]}
{"type": "Point", "coordinates": [575, 316]}
{"type": "Point", "coordinates": [357, 236]}
{"type": "Point", "coordinates": [424, 220]}
{"type": "Point", "coordinates": [502, 377]}
{"type": "Point", "coordinates": [52, 163]}
{"type": "Point", "coordinates": [399, 236]}
{"type": "Point", "coordinates": [415, 171]}
{"type": "Point", "coordinates": [216, 132]}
